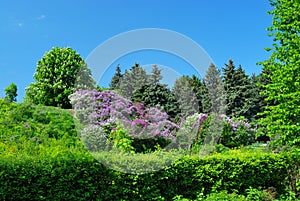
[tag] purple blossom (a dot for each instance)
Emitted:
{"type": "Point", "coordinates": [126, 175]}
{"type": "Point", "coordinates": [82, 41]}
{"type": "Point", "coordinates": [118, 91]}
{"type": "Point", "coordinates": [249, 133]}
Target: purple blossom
{"type": "Point", "coordinates": [106, 107]}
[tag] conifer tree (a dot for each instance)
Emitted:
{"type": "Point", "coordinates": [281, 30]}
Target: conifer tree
{"type": "Point", "coordinates": [116, 78]}
{"type": "Point", "coordinates": [242, 88]}
{"type": "Point", "coordinates": [215, 100]}
{"type": "Point", "coordinates": [228, 77]}
{"type": "Point", "coordinates": [133, 79]}
{"type": "Point", "coordinates": [155, 75]}
{"type": "Point", "coordinates": [185, 96]}
{"type": "Point", "coordinates": [199, 90]}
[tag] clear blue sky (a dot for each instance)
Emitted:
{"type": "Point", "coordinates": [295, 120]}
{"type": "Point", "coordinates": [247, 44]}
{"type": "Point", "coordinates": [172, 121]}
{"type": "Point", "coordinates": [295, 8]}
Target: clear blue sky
{"type": "Point", "coordinates": [224, 28]}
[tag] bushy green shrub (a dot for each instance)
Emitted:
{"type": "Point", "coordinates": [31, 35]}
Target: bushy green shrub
{"type": "Point", "coordinates": [61, 173]}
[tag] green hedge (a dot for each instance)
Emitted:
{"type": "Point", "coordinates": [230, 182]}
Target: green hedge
{"type": "Point", "coordinates": [71, 175]}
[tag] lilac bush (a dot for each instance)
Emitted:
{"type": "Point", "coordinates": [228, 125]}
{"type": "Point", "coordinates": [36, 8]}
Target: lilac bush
{"type": "Point", "coordinates": [235, 132]}
{"type": "Point", "coordinates": [107, 109]}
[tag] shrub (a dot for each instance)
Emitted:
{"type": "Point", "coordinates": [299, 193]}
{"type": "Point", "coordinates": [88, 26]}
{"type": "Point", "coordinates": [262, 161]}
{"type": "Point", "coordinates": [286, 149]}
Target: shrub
{"type": "Point", "coordinates": [60, 173]}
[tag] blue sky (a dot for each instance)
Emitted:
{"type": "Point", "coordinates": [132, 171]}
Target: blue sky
{"type": "Point", "coordinates": [225, 29]}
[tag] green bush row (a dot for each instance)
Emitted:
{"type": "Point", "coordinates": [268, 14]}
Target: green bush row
{"type": "Point", "coordinates": [74, 175]}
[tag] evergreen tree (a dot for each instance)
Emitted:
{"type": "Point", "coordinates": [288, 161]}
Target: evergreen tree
{"type": "Point", "coordinates": [242, 102]}
{"type": "Point", "coordinates": [133, 79]}
{"type": "Point", "coordinates": [185, 96]}
{"type": "Point", "coordinates": [228, 77]}
{"type": "Point", "coordinates": [215, 91]}
{"type": "Point", "coordinates": [238, 90]}
{"type": "Point", "coordinates": [199, 90]}
{"type": "Point", "coordinates": [255, 98]}
{"type": "Point", "coordinates": [155, 75]}
{"type": "Point", "coordinates": [11, 93]}
{"type": "Point", "coordinates": [116, 78]}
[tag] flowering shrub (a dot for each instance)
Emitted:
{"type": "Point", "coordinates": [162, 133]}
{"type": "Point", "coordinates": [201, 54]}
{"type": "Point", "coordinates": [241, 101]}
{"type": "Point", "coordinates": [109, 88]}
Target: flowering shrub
{"type": "Point", "coordinates": [233, 132]}
{"type": "Point", "coordinates": [237, 132]}
{"type": "Point", "coordinates": [108, 109]}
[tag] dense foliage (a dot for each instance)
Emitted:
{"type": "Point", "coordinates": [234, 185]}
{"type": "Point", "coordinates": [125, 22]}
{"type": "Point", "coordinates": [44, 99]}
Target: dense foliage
{"type": "Point", "coordinates": [11, 93]}
{"type": "Point", "coordinates": [66, 174]}
{"type": "Point", "coordinates": [141, 140]}
{"type": "Point", "coordinates": [110, 111]}
{"type": "Point", "coordinates": [159, 96]}
{"type": "Point", "coordinates": [281, 121]}
{"type": "Point", "coordinates": [58, 74]}
{"type": "Point", "coordinates": [22, 122]}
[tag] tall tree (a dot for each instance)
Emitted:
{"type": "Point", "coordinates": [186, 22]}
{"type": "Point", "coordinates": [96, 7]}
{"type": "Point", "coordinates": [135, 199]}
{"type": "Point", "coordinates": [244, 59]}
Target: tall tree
{"type": "Point", "coordinates": [155, 75]}
{"type": "Point", "coordinates": [116, 78]}
{"type": "Point", "coordinates": [133, 79]}
{"type": "Point", "coordinates": [200, 91]}
{"type": "Point", "coordinates": [58, 74]}
{"type": "Point", "coordinates": [215, 91]}
{"type": "Point", "coordinates": [237, 87]}
{"type": "Point", "coordinates": [11, 93]}
{"type": "Point", "coordinates": [254, 99]}
{"type": "Point", "coordinates": [185, 96]}
{"type": "Point", "coordinates": [281, 120]}
{"type": "Point", "coordinates": [228, 77]}
{"type": "Point", "coordinates": [243, 99]}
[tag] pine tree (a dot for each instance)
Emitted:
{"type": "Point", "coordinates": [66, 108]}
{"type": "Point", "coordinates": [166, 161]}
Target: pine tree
{"type": "Point", "coordinates": [228, 77]}
{"type": "Point", "coordinates": [242, 88]}
{"type": "Point", "coordinates": [155, 75]}
{"type": "Point", "coordinates": [238, 91]}
{"type": "Point", "coordinates": [116, 78]}
{"type": "Point", "coordinates": [215, 91]}
{"type": "Point", "coordinates": [133, 79]}
{"type": "Point", "coordinates": [199, 90]}
{"type": "Point", "coordinates": [185, 96]}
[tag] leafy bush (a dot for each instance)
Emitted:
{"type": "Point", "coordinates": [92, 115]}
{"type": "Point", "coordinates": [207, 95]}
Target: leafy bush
{"type": "Point", "coordinates": [61, 173]}
{"type": "Point", "coordinates": [108, 110]}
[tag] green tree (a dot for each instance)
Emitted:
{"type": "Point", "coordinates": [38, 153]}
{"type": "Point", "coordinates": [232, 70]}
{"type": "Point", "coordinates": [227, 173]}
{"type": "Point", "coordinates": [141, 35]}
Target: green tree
{"type": "Point", "coordinates": [281, 121]}
{"type": "Point", "coordinates": [243, 101]}
{"type": "Point", "coordinates": [133, 79]}
{"type": "Point", "coordinates": [158, 96]}
{"type": "Point", "coordinates": [237, 87]}
{"type": "Point", "coordinates": [200, 91]}
{"type": "Point", "coordinates": [155, 75]}
{"type": "Point", "coordinates": [228, 77]}
{"type": "Point", "coordinates": [58, 74]}
{"type": "Point", "coordinates": [215, 91]}
{"type": "Point", "coordinates": [186, 97]}
{"type": "Point", "coordinates": [255, 98]}
{"type": "Point", "coordinates": [116, 78]}
{"type": "Point", "coordinates": [11, 93]}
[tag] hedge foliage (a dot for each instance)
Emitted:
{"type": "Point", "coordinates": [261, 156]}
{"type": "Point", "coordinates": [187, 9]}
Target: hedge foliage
{"type": "Point", "coordinates": [75, 175]}
{"type": "Point", "coordinates": [21, 122]}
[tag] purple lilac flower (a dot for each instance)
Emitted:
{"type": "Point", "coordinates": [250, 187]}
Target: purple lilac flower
{"type": "Point", "coordinates": [106, 107]}
{"type": "Point", "coordinates": [247, 125]}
